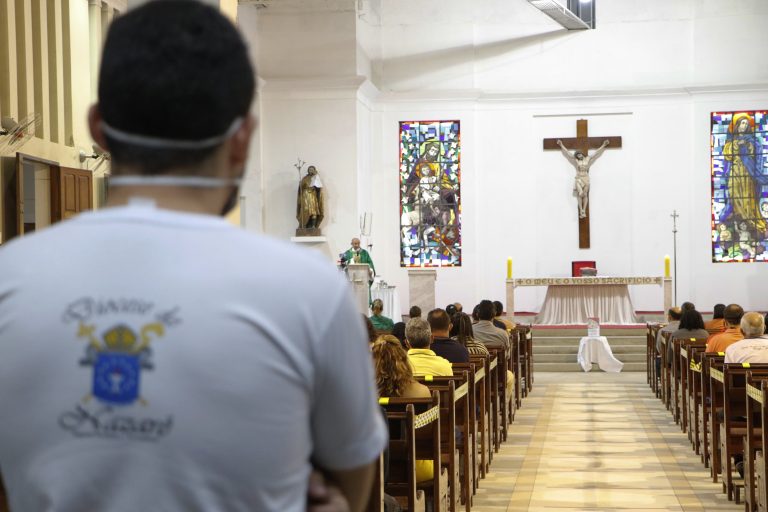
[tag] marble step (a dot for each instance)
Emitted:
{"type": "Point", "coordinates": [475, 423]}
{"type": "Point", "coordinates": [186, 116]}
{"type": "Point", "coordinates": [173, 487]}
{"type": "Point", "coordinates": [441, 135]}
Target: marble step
{"type": "Point", "coordinates": [574, 349]}
{"type": "Point", "coordinates": [570, 340]}
{"type": "Point", "coordinates": [574, 367]}
{"type": "Point", "coordinates": [582, 331]}
{"type": "Point", "coordinates": [565, 358]}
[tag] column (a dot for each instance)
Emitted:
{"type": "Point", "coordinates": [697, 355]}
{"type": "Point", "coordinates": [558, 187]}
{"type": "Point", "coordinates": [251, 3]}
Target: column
{"type": "Point", "coordinates": [421, 288]}
{"type": "Point", "coordinates": [510, 299]}
{"type": "Point", "coordinates": [667, 287]}
{"type": "Point", "coordinates": [94, 38]}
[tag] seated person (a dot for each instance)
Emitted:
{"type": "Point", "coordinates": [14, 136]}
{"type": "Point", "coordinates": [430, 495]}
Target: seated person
{"type": "Point", "coordinates": [485, 331]}
{"type": "Point", "coordinates": [732, 334]}
{"type": "Point", "coordinates": [398, 331]}
{"type": "Point", "coordinates": [673, 318]}
{"type": "Point", "coordinates": [423, 360]}
{"type": "Point", "coordinates": [442, 344]}
{"type": "Point", "coordinates": [462, 326]}
{"type": "Point", "coordinates": [508, 324]}
{"type": "Point", "coordinates": [414, 312]}
{"type": "Point", "coordinates": [370, 330]}
{"type": "Point", "coordinates": [394, 375]}
{"type": "Point", "coordinates": [451, 310]}
{"type": "Point", "coordinates": [465, 336]}
{"type": "Point", "coordinates": [754, 347]}
{"type": "Point", "coordinates": [717, 324]}
{"type": "Point", "coordinates": [394, 378]}
{"type": "Point", "coordinates": [691, 326]}
{"type": "Point", "coordinates": [379, 321]}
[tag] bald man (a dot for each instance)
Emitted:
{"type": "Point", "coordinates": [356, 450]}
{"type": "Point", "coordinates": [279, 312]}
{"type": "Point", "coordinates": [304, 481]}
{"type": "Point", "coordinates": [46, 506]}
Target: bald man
{"type": "Point", "coordinates": [754, 347]}
{"type": "Point", "coordinates": [357, 254]}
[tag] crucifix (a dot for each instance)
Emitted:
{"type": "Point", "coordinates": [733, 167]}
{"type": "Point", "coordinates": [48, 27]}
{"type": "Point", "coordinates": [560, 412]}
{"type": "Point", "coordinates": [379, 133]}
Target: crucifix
{"type": "Point", "coordinates": [582, 160]}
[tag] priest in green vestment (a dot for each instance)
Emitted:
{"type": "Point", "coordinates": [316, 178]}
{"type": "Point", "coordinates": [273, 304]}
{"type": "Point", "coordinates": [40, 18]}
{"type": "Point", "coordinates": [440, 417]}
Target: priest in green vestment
{"type": "Point", "coordinates": [357, 254]}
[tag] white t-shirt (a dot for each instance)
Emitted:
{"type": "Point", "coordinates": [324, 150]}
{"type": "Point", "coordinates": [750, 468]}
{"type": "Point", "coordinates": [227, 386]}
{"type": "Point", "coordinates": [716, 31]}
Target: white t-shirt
{"type": "Point", "coordinates": [752, 350]}
{"type": "Point", "coordinates": [165, 361]}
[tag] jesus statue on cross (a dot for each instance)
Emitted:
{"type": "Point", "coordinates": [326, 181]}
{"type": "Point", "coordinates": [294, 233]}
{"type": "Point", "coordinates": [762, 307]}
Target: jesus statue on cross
{"type": "Point", "coordinates": [582, 162]}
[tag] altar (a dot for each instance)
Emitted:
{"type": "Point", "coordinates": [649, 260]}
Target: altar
{"type": "Point", "coordinates": [573, 300]}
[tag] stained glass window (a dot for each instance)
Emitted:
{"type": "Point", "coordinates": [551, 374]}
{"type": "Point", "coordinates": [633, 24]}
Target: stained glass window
{"type": "Point", "coordinates": [739, 144]}
{"type": "Point", "coordinates": [430, 194]}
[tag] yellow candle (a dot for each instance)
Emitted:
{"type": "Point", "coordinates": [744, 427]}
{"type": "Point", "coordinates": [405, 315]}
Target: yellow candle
{"type": "Point", "coordinates": [666, 265]}
{"type": "Point", "coordinates": [509, 268]}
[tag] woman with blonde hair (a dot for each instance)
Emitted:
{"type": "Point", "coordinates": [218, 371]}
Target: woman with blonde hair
{"type": "Point", "coordinates": [394, 376]}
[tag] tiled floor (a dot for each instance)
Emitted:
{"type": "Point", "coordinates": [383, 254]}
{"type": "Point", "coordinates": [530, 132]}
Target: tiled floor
{"type": "Point", "coordinates": [596, 441]}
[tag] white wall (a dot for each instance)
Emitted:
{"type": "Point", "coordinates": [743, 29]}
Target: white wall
{"type": "Point", "coordinates": [651, 73]}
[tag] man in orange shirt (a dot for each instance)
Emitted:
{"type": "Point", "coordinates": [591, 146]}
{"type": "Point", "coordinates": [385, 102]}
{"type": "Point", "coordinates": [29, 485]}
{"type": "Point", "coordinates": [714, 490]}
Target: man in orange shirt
{"type": "Point", "coordinates": [732, 334]}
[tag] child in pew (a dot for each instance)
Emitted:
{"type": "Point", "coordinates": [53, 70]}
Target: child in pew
{"type": "Point", "coordinates": [394, 378]}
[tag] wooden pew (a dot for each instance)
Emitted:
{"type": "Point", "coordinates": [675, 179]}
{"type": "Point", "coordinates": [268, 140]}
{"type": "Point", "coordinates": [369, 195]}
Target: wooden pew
{"type": "Point", "coordinates": [697, 406]}
{"type": "Point", "coordinates": [376, 500]}
{"type": "Point", "coordinates": [650, 357]}
{"type": "Point", "coordinates": [495, 399]}
{"type": "Point", "coordinates": [477, 415]}
{"type": "Point", "coordinates": [685, 347]}
{"type": "Point", "coordinates": [487, 422]}
{"type": "Point", "coordinates": [516, 364]}
{"type": "Point", "coordinates": [414, 434]}
{"type": "Point", "coordinates": [3, 497]}
{"type": "Point", "coordinates": [754, 443]}
{"type": "Point", "coordinates": [709, 407]}
{"type": "Point", "coordinates": [653, 356]}
{"type": "Point", "coordinates": [525, 361]}
{"type": "Point", "coordinates": [666, 375]}
{"type": "Point", "coordinates": [454, 409]}
{"type": "Point", "coordinates": [713, 365]}
{"type": "Point", "coordinates": [506, 403]}
{"type": "Point", "coordinates": [731, 383]}
{"type": "Point", "coordinates": [675, 375]}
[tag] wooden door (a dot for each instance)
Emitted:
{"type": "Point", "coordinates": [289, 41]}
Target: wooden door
{"type": "Point", "coordinates": [13, 199]}
{"type": "Point", "coordinates": [71, 192]}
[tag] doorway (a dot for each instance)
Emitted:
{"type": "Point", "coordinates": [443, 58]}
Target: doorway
{"type": "Point", "coordinates": [39, 192]}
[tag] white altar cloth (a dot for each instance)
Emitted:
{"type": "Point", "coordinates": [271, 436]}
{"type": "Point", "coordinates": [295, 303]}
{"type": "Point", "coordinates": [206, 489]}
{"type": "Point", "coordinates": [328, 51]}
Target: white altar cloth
{"type": "Point", "coordinates": [391, 300]}
{"type": "Point", "coordinates": [569, 305]}
{"type": "Point", "coordinates": [596, 349]}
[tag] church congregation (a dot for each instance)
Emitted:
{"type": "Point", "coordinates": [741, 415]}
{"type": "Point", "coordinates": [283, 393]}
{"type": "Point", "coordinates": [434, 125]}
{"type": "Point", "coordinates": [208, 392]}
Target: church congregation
{"type": "Point", "coordinates": [193, 194]}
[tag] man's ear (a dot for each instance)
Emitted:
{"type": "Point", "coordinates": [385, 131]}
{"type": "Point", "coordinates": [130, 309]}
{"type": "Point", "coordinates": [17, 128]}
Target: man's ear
{"type": "Point", "coordinates": [94, 125]}
{"type": "Point", "coordinates": [241, 142]}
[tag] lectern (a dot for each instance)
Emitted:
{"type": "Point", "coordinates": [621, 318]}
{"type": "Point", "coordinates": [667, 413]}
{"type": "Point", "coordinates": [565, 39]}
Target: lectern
{"type": "Point", "coordinates": [358, 274]}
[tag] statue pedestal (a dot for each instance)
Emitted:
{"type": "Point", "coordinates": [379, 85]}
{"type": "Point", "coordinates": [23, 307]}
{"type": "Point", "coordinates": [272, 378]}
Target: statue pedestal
{"type": "Point", "coordinates": [308, 232]}
{"type": "Point", "coordinates": [357, 274]}
{"type": "Point", "coordinates": [421, 288]}
{"type": "Point", "coordinates": [667, 295]}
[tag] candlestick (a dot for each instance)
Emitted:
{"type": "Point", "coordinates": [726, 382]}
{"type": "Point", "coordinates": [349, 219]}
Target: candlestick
{"type": "Point", "coordinates": [666, 265]}
{"type": "Point", "coordinates": [509, 268]}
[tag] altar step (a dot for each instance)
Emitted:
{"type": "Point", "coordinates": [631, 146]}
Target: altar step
{"type": "Point", "coordinates": [555, 349]}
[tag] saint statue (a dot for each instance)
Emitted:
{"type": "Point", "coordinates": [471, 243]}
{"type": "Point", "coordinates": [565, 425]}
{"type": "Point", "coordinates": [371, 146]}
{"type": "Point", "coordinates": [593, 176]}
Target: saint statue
{"type": "Point", "coordinates": [310, 204]}
{"type": "Point", "coordinates": [582, 163]}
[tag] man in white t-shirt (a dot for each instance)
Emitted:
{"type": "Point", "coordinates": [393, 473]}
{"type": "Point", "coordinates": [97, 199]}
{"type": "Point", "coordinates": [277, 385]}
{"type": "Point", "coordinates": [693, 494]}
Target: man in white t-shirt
{"type": "Point", "coordinates": [154, 357]}
{"type": "Point", "coordinates": [754, 347]}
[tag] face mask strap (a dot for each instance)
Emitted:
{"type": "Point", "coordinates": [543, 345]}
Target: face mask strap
{"type": "Point", "coordinates": [174, 181]}
{"type": "Point", "coordinates": [147, 141]}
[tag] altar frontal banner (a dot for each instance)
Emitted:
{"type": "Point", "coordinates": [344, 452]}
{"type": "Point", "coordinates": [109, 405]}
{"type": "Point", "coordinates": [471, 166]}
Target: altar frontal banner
{"type": "Point", "coordinates": [739, 171]}
{"type": "Point", "coordinates": [430, 194]}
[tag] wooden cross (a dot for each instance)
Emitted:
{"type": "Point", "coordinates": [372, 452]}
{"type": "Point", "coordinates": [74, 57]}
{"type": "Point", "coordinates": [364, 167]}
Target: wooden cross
{"type": "Point", "coordinates": [583, 142]}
